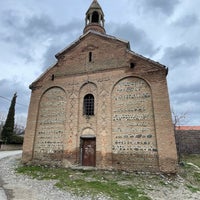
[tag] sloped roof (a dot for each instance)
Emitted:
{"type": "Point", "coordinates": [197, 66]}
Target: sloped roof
{"type": "Point", "coordinates": [91, 32]}
{"type": "Point", "coordinates": [76, 42]}
{"type": "Point", "coordinates": [94, 5]}
{"type": "Point", "coordinates": [47, 70]}
{"type": "Point", "coordinates": [111, 38]}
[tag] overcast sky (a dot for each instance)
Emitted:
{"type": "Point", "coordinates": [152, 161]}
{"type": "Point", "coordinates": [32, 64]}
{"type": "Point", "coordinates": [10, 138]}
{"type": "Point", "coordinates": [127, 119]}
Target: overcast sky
{"type": "Point", "coordinates": [167, 31]}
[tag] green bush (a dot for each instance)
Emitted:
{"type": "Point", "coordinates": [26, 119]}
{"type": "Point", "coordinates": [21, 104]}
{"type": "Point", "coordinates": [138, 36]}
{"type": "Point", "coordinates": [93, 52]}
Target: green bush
{"type": "Point", "coordinates": [16, 139]}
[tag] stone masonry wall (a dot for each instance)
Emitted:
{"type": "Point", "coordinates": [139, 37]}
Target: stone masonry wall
{"type": "Point", "coordinates": [133, 130]}
{"type": "Point", "coordinates": [50, 125]}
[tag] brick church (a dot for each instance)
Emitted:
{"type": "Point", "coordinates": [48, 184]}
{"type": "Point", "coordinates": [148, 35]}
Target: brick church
{"type": "Point", "coordinates": [101, 105]}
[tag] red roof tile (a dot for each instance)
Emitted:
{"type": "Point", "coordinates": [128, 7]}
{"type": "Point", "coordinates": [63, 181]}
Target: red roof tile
{"type": "Point", "coordinates": [187, 128]}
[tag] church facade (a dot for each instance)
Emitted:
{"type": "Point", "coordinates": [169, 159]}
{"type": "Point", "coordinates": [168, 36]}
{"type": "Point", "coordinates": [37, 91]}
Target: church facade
{"type": "Point", "coordinates": [101, 105]}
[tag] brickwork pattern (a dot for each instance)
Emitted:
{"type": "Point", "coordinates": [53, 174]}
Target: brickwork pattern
{"type": "Point", "coordinates": [77, 76]}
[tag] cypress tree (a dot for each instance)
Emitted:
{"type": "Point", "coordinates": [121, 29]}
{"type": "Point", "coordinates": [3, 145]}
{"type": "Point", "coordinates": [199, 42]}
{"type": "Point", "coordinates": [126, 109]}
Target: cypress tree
{"type": "Point", "coordinates": [8, 128]}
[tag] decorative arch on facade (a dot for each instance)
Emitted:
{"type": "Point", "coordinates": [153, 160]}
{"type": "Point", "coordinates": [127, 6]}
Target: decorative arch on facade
{"type": "Point", "coordinates": [87, 125]}
{"type": "Point", "coordinates": [133, 127]}
{"type": "Point", "coordinates": [50, 124]}
{"type": "Point", "coordinates": [127, 77]}
{"type": "Point", "coordinates": [88, 86]}
{"type": "Point", "coordinates": [49, 88]}
{"type": "Point", "coordinates": [88, 132]}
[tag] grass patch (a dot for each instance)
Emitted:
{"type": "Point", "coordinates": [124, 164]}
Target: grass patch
{"type": "Point", "coordinates": [197, 176]}
{"type": "Point", "coordinates": [193, 189]}
{"type": "Point", "coordinates": [118, 185]}
{"type": "Point", "coordinates": [190, 171]}
{"type": "Point", "coordinates": [90, 183]}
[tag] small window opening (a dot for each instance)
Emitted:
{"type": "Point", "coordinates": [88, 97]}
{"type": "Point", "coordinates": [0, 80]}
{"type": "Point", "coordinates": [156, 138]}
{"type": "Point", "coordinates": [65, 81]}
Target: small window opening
{"type": "Point", "coordinates": [90, 56]}
{"type": "Point", "coordinates": [88, 105]}
{"type": "Point", "coordinates": [132, 65]}
{"type": "Point", "coordinates": [95, 17]}
{"type": "Point", "coordinates": [52, 77]}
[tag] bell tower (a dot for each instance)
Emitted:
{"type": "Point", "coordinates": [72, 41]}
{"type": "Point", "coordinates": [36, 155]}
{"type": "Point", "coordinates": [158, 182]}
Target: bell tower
{"type": "Point", "coordinates": [94, 19]}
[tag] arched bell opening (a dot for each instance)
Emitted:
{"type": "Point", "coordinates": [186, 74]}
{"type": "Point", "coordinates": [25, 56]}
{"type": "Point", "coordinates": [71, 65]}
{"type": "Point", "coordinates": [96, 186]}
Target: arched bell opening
{"type": "Point", "coordinates": [95, 17]}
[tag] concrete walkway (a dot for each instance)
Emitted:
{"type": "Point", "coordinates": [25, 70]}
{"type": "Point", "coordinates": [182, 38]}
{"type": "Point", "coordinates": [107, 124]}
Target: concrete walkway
{"type": "Point", "coordinates": [4, 154]}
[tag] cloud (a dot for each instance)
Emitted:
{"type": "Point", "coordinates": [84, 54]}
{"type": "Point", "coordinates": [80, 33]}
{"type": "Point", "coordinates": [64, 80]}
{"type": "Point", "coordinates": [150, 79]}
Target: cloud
{"type": "Point", "coordinates": [62, 38]}
{"type": "Point", "coordinates": [27, 31]}
{"type": "Point", "coordinates": [180, 56]}
{"type": "Point", "coordinates": [187, 94]}
{"type": "Point", "coordinates": [185, 99]}
{"type": "Point", "coordinates": [192, 97]}
{"type": "Point", "coordinates": [49, 56]}
{"type": "Point", "coordinates": [190, 108]}
{"type": "Point", "coordinates": [187, 21]}
{"type": "Point", "coordinates": [37, 37]}
{"type": "Point", "coordinates": [160, 6]}
{"type": "Point", "coordinates": [190, 88]}
{"type": "Point", "coordinates": [191, 112]}
{"type": "Point", "coordinates": [137, 37]}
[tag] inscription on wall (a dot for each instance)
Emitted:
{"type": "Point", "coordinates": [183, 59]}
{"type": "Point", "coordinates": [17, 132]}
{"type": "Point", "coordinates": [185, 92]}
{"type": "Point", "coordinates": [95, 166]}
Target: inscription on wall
{"type": "Point", "coordinates": [133, 129]}
{"type": "Point", "coordinates": [50, 127]}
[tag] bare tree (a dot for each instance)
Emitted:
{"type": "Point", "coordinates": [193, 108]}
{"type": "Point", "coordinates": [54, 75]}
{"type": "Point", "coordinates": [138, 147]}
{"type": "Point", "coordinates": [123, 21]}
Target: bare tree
{"type": "Point", "coordinates": [179, 118]}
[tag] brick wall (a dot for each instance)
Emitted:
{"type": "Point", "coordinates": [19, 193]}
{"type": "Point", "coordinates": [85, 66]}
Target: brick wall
{"type": "Point", "coordinates": [132, 119]}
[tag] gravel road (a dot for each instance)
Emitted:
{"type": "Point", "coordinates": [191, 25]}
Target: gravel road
{"type": "Point", "coordinates": [20, 187]}
{"type": "Point", "coordinates": [4, 154]}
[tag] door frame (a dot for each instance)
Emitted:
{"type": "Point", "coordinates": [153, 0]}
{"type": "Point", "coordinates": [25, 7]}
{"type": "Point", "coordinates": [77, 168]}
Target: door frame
{"type": "Point", "coordinates": [82, 139]}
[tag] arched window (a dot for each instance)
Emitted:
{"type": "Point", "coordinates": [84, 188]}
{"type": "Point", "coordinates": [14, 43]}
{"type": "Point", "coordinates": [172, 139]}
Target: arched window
{"type": "Point", "coordinates": [88, 105]}
{"type": "Point", "coordinates": [95, 17]}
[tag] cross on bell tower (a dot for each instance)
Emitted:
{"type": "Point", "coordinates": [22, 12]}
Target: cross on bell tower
{"type": "Point", "coordinates": [94, 19]}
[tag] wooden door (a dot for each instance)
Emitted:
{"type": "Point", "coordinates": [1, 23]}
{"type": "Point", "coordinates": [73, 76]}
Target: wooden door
{"type": "Point", "coordinates": [89, 152]}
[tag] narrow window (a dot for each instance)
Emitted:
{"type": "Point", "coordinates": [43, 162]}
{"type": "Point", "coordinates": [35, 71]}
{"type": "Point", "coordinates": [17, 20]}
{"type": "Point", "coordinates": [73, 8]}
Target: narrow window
{"type": "Point", "coordinates": [88, 105]}
{"type": "Point", "coordinates": [132, 65]}
{"type": "Point", "coordinates": [90, 56]}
